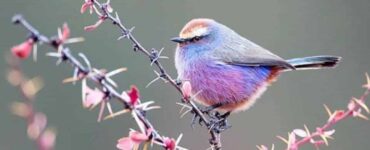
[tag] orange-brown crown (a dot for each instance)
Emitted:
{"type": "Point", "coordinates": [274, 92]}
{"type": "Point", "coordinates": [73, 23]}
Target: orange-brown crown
{"type": "Point", "coordinates": [195, 27]}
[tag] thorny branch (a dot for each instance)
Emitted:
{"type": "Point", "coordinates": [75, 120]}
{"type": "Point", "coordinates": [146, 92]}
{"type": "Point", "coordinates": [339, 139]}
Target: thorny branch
{"type": "Point", "coordinates": [104, 11]}
{"type": "Point", "coordinates": [138, 109]}
{"type": "Point", "coordinates": [64, 54]}
{"type": "Point", "coordinates": [299, 137]}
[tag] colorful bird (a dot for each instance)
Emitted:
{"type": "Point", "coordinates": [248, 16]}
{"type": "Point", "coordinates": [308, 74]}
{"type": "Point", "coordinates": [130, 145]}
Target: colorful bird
{"type": "Point", "coordinates": [228, 72]}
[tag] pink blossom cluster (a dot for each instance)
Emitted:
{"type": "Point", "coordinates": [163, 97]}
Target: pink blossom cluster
{"type": "Point", "coordinates": [104, 12]}
{"type": "Point", "coordinates": [102, 94]}
{"type": "Point", "coordinates": [104, 91]}
{"type": "Point", "coordinates": [24, 49]}
{"type": "Point", "coordinates": [37, 129]}
{"type": "Point", "coordinates": [322, 134]}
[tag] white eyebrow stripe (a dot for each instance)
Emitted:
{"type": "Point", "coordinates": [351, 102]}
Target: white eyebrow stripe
{"type": "Point", "coordinates": [200, 31]}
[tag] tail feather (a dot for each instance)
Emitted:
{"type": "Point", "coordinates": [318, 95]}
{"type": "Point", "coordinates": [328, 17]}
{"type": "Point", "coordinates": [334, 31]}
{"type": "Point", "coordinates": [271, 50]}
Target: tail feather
{"type": "Point", "coordinates": [314, 62]}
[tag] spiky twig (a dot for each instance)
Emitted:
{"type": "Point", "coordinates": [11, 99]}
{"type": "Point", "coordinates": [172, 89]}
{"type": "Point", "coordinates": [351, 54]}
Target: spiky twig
{"type": "Point", "coordinates": [298, 137]}
{"type": "Point", "coordinates": [100, 78]}
{"type": "Point", "coordinates": [104, 12]}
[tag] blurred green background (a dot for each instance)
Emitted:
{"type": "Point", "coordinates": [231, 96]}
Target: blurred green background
{"type": "Point", "coordinates": [290, 28]}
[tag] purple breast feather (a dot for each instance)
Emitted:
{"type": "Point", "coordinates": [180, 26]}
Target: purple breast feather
{"type": "Point", "coordinates": [223, 83]}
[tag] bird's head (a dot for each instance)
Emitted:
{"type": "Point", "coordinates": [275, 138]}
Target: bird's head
{"type": "Point", "coordinates": [199, 34]}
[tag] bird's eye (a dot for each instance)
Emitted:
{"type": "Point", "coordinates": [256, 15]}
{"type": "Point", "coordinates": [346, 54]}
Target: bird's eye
{"type": "Point", "coordinates": [196, 38]}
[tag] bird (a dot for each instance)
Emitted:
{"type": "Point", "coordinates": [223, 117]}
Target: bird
{"type": "Point", "coordinates": [227, 72]}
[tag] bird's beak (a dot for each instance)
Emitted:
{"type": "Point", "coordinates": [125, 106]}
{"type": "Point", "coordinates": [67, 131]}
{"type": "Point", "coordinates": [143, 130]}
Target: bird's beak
{"type": "Point", "coordinates": [178, 39]}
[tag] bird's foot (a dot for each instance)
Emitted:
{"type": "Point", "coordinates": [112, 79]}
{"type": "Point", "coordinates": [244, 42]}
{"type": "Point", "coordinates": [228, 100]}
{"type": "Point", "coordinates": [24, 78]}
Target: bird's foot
{"type": "Point", "coordinates": [205, 110]}
{"type": "Point", "coordinates": [218, 122]}
{"type": "Point", "coordinates": [196, 118]}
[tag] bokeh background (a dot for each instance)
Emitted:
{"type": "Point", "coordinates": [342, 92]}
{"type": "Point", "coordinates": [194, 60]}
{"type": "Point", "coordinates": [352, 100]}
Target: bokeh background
{"type": "Point", "coordinates": [290, 28]}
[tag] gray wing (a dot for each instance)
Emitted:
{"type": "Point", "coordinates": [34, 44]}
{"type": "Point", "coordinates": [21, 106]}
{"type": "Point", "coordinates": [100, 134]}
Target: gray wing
{"type": "Point", "coordinates": [243, 52]}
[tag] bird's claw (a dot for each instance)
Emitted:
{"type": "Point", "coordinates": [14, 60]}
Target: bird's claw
{"type": "Point", "coordinates": [196, 118]}
{"type": "Point", "coordinates": [219, 125]}
{"type": "Point", "coordinates": [217, 122]}
{"type": "Point", "coordinates": [207, 110]}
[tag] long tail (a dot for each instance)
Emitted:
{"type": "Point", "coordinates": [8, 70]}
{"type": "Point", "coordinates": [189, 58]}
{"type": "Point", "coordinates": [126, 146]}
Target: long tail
{"type": "Point", "coordinates": [314, 62]}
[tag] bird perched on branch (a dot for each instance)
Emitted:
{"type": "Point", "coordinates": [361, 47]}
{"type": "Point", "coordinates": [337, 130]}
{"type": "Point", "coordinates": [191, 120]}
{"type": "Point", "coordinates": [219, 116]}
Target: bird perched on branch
{"type": "Point", "coordinates": [228, 71]}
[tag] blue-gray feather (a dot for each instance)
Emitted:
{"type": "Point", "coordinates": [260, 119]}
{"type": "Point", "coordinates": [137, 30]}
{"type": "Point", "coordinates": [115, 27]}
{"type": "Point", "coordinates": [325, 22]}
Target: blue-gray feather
{"type": "Point", "coordinates": [237, 50]}
{"type": "Point", "coordinates": [314, 62]}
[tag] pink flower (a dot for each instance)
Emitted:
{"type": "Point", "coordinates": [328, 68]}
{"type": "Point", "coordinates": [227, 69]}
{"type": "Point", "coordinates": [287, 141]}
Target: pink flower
{"type": "Point", "coordinates": [21, 109]}
{"type": "Point", "coordinates": [337, 115]}
{"type": "Point", "coordinates": [86, 5]}
{"type": "Point", "coordinates": [125, 143]}
{"type": "Point", "coordinates": [47, 140]}
{"type": "Point", "coordinates": [24, 49]}
{"type": "Point", "coordinates": [134, 139]}
{"type": "Point", "coordinates": [169, 143]}
{"type": "Point", "coordinates": [65, 33]}
{"type": "Point", "coordinates": [134, 95]}
{"type": "Point", "coordinates": [186, 89]}
{"type": "Point", "coordinates": [94, 26]}
{"type": "Point", "coordinates": [90, 97]}
{"type": "Point", "coordinates": [38, 124]}
{"type": "Point", "coordinates": [292, 140]}
{"type": "Point", "coordinates": [351, 105]}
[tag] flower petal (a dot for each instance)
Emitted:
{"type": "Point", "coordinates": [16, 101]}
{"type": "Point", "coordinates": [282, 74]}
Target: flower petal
{"type": "Point", "coordinates": [300, 132]}
{"type": "Point", "coordinates": [186, 89]}
{"type": "Point", "coordinates": [93, 98]}
{"type": "Point", "coordinates": [170, 143]}
{"type": "Point", "coordinates": [24, 49]}
{"type": "Point", "coordinates": [134, 95]}
{"type": "Point", "coordinates": [66, 32]}
{"type": "Point", "coordinates": [138, 137]}
{"type": "Point", "coordinates": [125, 143]}
{"type": "Point", "coordinates": [85, 6]}
{"type": "Point", "coordinates": [337, 115]}
{"type": "Point", "coordinates": [329, 133]}
{"type": "Point", "coordinates": [94, 26]}
{"type": "Point", "coordinates": [47, 139]}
